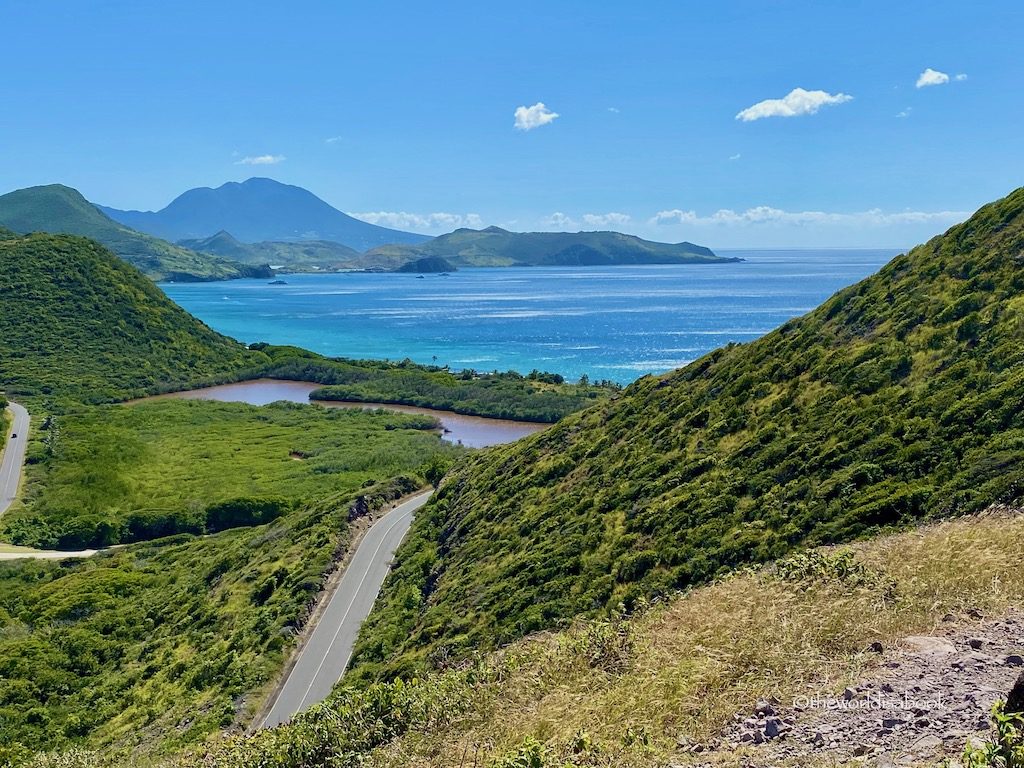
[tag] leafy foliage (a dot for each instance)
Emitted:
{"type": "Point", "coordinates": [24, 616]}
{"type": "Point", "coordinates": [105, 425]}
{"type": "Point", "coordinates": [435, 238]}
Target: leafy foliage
{"type": "Point", "coordinates": [1006, 749]}
{"type": "Point", "coordinates": [899, 399]}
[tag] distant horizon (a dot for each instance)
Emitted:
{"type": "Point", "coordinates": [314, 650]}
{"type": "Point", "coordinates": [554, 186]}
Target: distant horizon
{"type": "Point", "coordinates": [708, 244]}
{"type": "Point", "coordinates": [743, 124]}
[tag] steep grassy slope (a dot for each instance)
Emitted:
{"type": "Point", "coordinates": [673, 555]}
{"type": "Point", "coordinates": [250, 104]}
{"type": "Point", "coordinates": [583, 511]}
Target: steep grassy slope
{"type": "Point", "coordinates": [636, 692]}
{"type": "Point", "coordinates": [900, 398]}
{"type": "Point", "coordinates": [79, 323]}
{"type": "Point", "coordinates": [61, 210]}
{"type": "Point", "coordinates": [496, 247]}
{"type": "Point", "coordinates": [300, 256]}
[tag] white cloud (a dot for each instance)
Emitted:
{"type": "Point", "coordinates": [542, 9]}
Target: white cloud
{"type": "Point", "coordinates": [737, 156]}
{"type": "Point", "coordinates": [931, 77]}
{"type": "Point", "coordinates": [528, 118]}
{"type": "Point", "coordinates": [614, 110]}
{"type": "Point", "coordinates": [444, 222]}
{"type": "Point", "coordinates": [559, 220]}
{"type": "Point", "coordinates": [333, 139]}
{"type": "Point", "coordinates": [960, 77]}
{"type": "Point", "coordinates": [611, 219]}
{"type": "Point", "coordinates": [905, 113]}
{"type": "Point", "coordinates": [766, 215]}
{"type": "Point", "coordinates": [796, 102]}
{"type": "Point", "coordinates": [261, 160]}
{"type": "Point", "coordinates": [566, 223]}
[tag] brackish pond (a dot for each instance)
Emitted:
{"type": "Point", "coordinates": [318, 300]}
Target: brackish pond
{"type": "Point", "coordinates": [471, 431]}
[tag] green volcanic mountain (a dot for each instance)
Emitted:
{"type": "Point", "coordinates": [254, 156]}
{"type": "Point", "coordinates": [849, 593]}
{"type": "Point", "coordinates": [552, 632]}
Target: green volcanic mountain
{"type": "Point", "coordinates": [61, 210]}
{"type": "Point", "coordinates": [259, 210]}
{"type": "Point", "coordinates": [496, 247]}
{"type": "Point", "coordinates": [80, 323]}
{"type": "Point", "coordinates": [295, 256]}
{"type": "Point", "coordinates": [900, 399]}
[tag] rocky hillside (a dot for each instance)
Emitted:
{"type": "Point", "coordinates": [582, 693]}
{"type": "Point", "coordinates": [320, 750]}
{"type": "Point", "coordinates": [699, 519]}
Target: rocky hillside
{"type": "Point", "coordinates": [900, 399]}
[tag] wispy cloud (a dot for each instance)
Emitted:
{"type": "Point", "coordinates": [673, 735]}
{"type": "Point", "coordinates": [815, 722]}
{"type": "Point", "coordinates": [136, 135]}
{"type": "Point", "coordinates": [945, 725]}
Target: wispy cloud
{"type": "Point", "coordinates": [261, 160]}
{"type": "Point", "coordinates": [737, 156]}
{"type": "Point", "coordinates": [528, 118]}
{"type": "Point", "coordinates": [905, 113]}
{"type": "Point", "coordinates": [429, 222]}
{"type": "Point", "coordinates": [931, 77]}
{"type": "Point", "coordinates": [960, 77]}
{"type": "Point", "coordinates": [795, 103]}
{"type": "Point", "coordinates": [333, 139]}
{"type": "Point", "coordinates": [614, 110]}
{"type": "Point", "coordinates": [766, 215]}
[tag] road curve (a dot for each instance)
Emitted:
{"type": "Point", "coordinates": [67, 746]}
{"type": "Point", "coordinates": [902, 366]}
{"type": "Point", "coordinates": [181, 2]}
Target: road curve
{"type": "Point", "coordinates": [328, 648]}
{"type": "Point", "coordinates": [14, 458]}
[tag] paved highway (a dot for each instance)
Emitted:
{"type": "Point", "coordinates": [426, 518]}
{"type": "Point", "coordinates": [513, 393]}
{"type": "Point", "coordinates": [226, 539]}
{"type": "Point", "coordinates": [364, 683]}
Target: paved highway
{"type": "Point", "coordinates": [328, 648]}
{"type": "Point", "coordinates": [14, 458]}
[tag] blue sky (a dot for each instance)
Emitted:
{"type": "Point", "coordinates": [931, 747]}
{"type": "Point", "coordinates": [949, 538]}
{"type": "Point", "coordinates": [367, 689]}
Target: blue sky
{"type": "Point", "coordinates": [404, 112]}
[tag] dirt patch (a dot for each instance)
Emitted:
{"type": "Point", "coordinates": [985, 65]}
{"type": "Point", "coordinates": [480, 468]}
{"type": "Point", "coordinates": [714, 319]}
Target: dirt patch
{"type": "Point", "coordinates": [920, 705]}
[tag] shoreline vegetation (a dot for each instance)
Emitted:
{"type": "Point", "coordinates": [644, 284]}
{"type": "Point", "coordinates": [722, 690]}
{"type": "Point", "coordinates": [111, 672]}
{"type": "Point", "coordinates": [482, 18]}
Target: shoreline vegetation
{"type": "Point", "coordinates": [536, 396]}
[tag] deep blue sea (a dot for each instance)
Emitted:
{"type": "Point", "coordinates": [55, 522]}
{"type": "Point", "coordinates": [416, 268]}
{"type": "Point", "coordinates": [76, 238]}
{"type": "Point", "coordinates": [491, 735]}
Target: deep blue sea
{"type": "Point", "coordinates": [608, 322]}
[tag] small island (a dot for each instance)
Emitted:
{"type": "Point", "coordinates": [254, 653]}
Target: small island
{"type": "Point", "coordinates": [427, 264]}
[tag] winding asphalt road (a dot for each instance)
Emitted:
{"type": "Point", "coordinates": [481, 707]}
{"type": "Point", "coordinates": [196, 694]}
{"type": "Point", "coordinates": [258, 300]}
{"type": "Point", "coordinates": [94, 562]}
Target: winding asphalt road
{"type": "Point", "coordinates": [328, 648]}
{"type": "Point", "coordinates": [14, 458]}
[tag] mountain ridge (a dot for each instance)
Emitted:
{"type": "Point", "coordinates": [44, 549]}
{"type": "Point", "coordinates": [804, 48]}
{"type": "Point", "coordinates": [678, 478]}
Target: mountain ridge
{"type": "Point", "coordinates": [59, 209]}
{"type": "Point", "coordinates": [295, 256]}
{"type": "Point", "coordinates": [258, 210]}
{"type": "Point", "coordinates": [497, 247]}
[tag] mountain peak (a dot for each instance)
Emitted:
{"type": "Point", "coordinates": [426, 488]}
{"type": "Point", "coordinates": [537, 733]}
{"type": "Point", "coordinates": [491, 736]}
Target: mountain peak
{"type": "Point", "coordinates": [256, 210]}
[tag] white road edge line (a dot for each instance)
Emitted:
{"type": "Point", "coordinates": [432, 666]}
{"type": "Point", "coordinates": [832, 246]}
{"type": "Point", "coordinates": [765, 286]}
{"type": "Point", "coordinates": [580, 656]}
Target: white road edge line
{"type": "Point", "coordinates": [355, 595]}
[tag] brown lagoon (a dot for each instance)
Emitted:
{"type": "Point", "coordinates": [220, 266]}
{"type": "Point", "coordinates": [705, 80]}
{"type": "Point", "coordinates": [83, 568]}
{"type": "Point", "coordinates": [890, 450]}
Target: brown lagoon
{"type": "Point", "coordinates": [470, 431]}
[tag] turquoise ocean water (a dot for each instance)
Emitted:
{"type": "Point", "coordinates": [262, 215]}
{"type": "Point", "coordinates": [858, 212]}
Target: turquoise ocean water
{"type": "Point", "coordinates": [608, 322]}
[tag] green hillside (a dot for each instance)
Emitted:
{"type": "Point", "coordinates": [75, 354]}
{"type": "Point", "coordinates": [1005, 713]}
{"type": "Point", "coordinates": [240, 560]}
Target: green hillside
{"type": "Point", "coordinates": [61, 210]}
{"type": "Point", "coordinates": [297, 256]}
{"type": "Point", "coordinates": [156, 645]}
{"type": "Point", "coordinates": [78, 322]}
{"type": "Point", "coordinates": [901, 398]}
{"type": "Point", "coordinates": [496, 247]}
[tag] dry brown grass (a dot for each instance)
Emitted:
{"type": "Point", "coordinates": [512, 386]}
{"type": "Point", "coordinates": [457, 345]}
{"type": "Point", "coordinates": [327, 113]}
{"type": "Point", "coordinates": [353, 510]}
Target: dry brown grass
{"type": "Point", "coordinates": [685, 667]}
